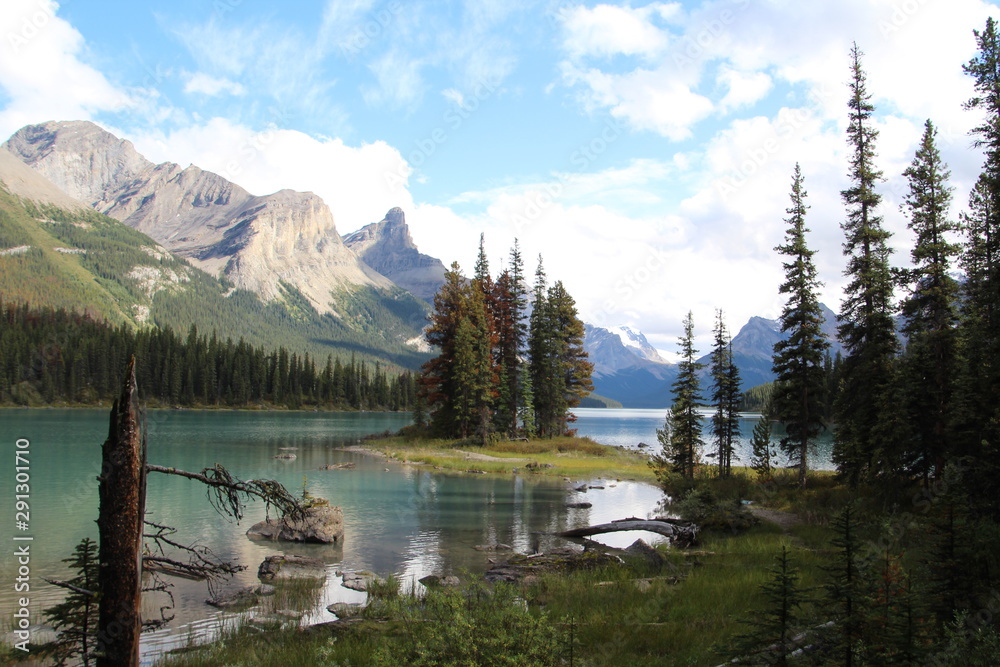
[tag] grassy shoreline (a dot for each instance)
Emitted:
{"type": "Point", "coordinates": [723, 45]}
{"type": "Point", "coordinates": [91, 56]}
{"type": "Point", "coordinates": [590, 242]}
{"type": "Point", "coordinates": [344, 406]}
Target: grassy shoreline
{"type": "Point", "coordinates": [557, 457]}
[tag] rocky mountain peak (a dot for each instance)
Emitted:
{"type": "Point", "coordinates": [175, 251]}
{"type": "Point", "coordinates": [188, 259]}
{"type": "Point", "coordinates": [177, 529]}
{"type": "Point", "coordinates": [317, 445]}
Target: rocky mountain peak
{"type": "Point", "coordinates": [81, 158]}
{"type": "Point", "coordinates": [387, 247]}
{"type": "Point", "coordinates": [261, 244]}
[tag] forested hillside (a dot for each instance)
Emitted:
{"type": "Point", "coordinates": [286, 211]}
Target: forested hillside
{"type": "Point", "coordinates": [80, 260]}
{"type": "Point", "coordinates": [54, 356]}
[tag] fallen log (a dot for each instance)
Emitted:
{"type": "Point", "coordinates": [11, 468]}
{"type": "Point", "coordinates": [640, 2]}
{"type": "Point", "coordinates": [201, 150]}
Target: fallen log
{"type": "Point", "coordinates": [681, 534]}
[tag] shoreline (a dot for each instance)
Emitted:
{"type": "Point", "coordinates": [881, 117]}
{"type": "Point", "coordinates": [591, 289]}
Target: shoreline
{"type": "Point", "coordinates": [567, 457]}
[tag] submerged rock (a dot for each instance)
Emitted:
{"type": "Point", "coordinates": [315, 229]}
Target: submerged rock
{"type": "Point", "coordinates": [240, 597]}
{"type": "Point", "coordinates": [346, 609]}
{"type": "Point", "coordinates": [433, 580]}
{"type": "Point", "coordinates": [291, 566]}
{"type": "Point", "coordinates": [358, 581]}
{"type": "Point", "coordinates": [322, 524]}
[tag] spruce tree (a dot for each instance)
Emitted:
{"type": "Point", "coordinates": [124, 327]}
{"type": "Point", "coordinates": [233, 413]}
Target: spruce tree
{"type": "Point", "coordinates": [541, 352]}
{"type": "Point", "coordinates": [762, 454]}
{"type": "Point", "coordinates": [929, 310]}
{"type": "Point", "coordinates": [845, 590]}
{"type": "Point", "coordinates": [725, 396]}
{"type": "Point", "coordinates": [573, 369]}
{"type": "Point", "coordinates": [683, 421]}
{"type": "Point", "coordinates": [867, 327]}
{"type": "Point", "coordinates": [771, 641]}
{"type": "Point", "coordinates": [797, 400]}
{"type": "Point", "coordinates": [981, 260]}
{"type": "Point", "coordinates": [76, 617]}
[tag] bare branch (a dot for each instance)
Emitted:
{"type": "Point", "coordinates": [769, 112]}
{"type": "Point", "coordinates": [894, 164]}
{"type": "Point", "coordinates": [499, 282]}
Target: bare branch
{"type": "Point", "coordinates": [225, 490]}
{"type": "Point", "coordinates": [69, 586]}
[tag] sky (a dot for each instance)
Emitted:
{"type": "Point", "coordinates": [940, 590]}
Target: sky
{"type": "Point", "coordinates": [644, 150]}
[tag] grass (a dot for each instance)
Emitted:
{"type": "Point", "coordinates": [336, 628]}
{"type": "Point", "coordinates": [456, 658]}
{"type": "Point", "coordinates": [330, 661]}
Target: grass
{"type": "Point", "coordinates": [562, 457]}
{"type": "Point", "coordinates": [687, 614]}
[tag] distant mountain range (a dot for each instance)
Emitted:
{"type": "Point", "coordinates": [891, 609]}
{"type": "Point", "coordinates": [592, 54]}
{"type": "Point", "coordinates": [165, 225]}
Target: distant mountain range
{"type": "Point", "coordinates": [628, 369]}
{"type": "Point", "coordinates": [274, 268]}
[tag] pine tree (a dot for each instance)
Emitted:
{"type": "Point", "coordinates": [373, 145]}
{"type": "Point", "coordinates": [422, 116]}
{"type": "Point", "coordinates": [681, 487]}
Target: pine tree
{"type": "Point", "coordinates": [981, 260]}
{"type": "Point", "coordinates": [76, 616]}
{"type": "Point", "coordinates": [771, 642]}
{"type": "Point", "coordinates": [437, 384]}
{"type": "Point", "coordinates": [683, 421]}
{"type": "Point", "coordinates": [846, 589]}
{"type": "Point", "coordinates": [573, 370]}
{"type": "Point", "coordinates": [725, 396]}
{"type": "Point", "coordinates": [762, 454]}
{"type": "Point", "coordinates": [866, 319]}
{"type": "Point", "coordinates": [797, 400]}
{"type": "Point", "coordinates": [929, 310]}
{"type": "Point", "coordinates": [541, 356]}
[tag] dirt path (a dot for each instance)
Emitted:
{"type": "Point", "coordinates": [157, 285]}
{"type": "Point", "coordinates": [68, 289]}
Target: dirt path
{"type": "Point", "coordinates": [784, 519]}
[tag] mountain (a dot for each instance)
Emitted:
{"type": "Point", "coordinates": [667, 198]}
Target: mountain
{"type": "Point", "coordinates": [387, 247]}
{"type": "Point", "coordinates": [753, 347]}
{"type": "Point", "coordinates": [262, 244]}
{"type": "Point", "coordinates": [57, 252]}
{"type": "Point", "coordinates": [630, 370]}
{"type": "Point", "coordinates": [627, 368]}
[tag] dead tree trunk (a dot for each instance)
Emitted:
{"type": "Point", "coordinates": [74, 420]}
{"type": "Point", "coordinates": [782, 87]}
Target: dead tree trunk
{"type": "Point", "coordinates": [122, 493]}
{"type": "Point", "coordinates": [681, 533]}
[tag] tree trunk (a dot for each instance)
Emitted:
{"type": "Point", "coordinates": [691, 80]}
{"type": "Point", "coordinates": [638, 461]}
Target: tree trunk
{"type": "Point", "coordinates": [122, 495]}
{"type": "Point", "coordinates": [681, 532]}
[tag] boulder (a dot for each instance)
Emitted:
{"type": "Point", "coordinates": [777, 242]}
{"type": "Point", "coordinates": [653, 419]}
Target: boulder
{"type": "Point", "coordinates": [358, 581]}
{"type": "Point", "coordinates": [322, 524]}
{"type": "Point", "coordinates": [346, 609]}
{"type": "Point", "coordinates": [289, 567]}
{"type": "Point", "coordinates": [240, 597]}
{"type": "Point", "coordinates": [642, 551]}
{"type": "Point", "coordinates": [433, 580]}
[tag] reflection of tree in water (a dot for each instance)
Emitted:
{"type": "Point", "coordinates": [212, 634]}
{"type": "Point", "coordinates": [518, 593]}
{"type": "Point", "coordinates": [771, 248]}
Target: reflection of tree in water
{"type": "Point", "coordinates": [465, 511]}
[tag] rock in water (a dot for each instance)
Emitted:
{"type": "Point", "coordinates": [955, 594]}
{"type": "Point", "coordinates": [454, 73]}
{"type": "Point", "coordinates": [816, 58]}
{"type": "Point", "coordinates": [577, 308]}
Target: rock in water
{"type": "Point", "coordinates": [322, 524]}
{"type": "Point", "coordinates": [291, 566]}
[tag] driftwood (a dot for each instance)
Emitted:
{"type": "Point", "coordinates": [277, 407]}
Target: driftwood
{"type": "Point", "coordinates": [681, 533]}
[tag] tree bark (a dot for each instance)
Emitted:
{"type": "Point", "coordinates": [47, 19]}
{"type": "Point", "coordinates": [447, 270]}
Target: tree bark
{"type": "Point", "coordinates": [122, 493]}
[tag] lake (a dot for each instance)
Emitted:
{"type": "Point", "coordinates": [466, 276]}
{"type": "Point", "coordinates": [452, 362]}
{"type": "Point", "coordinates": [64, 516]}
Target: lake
{"type": "Point", "coordinates": [402, 520]}
{"type": "Point", "coordinates": [627, 427]}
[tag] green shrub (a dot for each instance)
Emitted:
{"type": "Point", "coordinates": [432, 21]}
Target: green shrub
{"type": "Point", "coordinates": [474, 626]}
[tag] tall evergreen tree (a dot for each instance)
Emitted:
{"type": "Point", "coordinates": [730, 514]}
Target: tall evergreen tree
{"type": "Point", "coordinates": [573, 370]}
{"type": "Point", "coordinates": [683, 422]}
{"type": "Point", "coordinates": [510, 303]}
{"type": "Point", "coordinates": [797, 400]}
{"type": "Point", "coordinates": [981, 260]}
{"type": "Point", "coordinates": [866, 319]}
{"type": "Point", "coordinates": [929, 310]}
{"type": "Point", "coordinates": [541, 355]}
{"type": "Point", "coordinates": [726, 397]}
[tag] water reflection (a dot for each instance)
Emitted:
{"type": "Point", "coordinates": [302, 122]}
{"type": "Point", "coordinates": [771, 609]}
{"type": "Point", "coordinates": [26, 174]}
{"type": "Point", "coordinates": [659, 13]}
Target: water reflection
{"type": "Point", "coordinates": [408, 521]}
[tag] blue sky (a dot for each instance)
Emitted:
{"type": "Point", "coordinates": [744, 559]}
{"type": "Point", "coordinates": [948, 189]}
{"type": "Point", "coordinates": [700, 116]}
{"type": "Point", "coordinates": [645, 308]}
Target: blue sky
{"type": "Point", "coordinates": [645, 149]}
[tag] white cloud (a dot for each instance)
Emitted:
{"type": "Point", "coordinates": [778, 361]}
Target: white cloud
{"type": "Point", "coordinates": [608, 30]}
{"type": "Point", "coordinates": [743, 88]}
{"type": "Point", "coordinates": [206, 84]}
{"type": "Point", "coordinates": [43, 70]}
{"type": "Point", "coordinates": [647, 99]}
